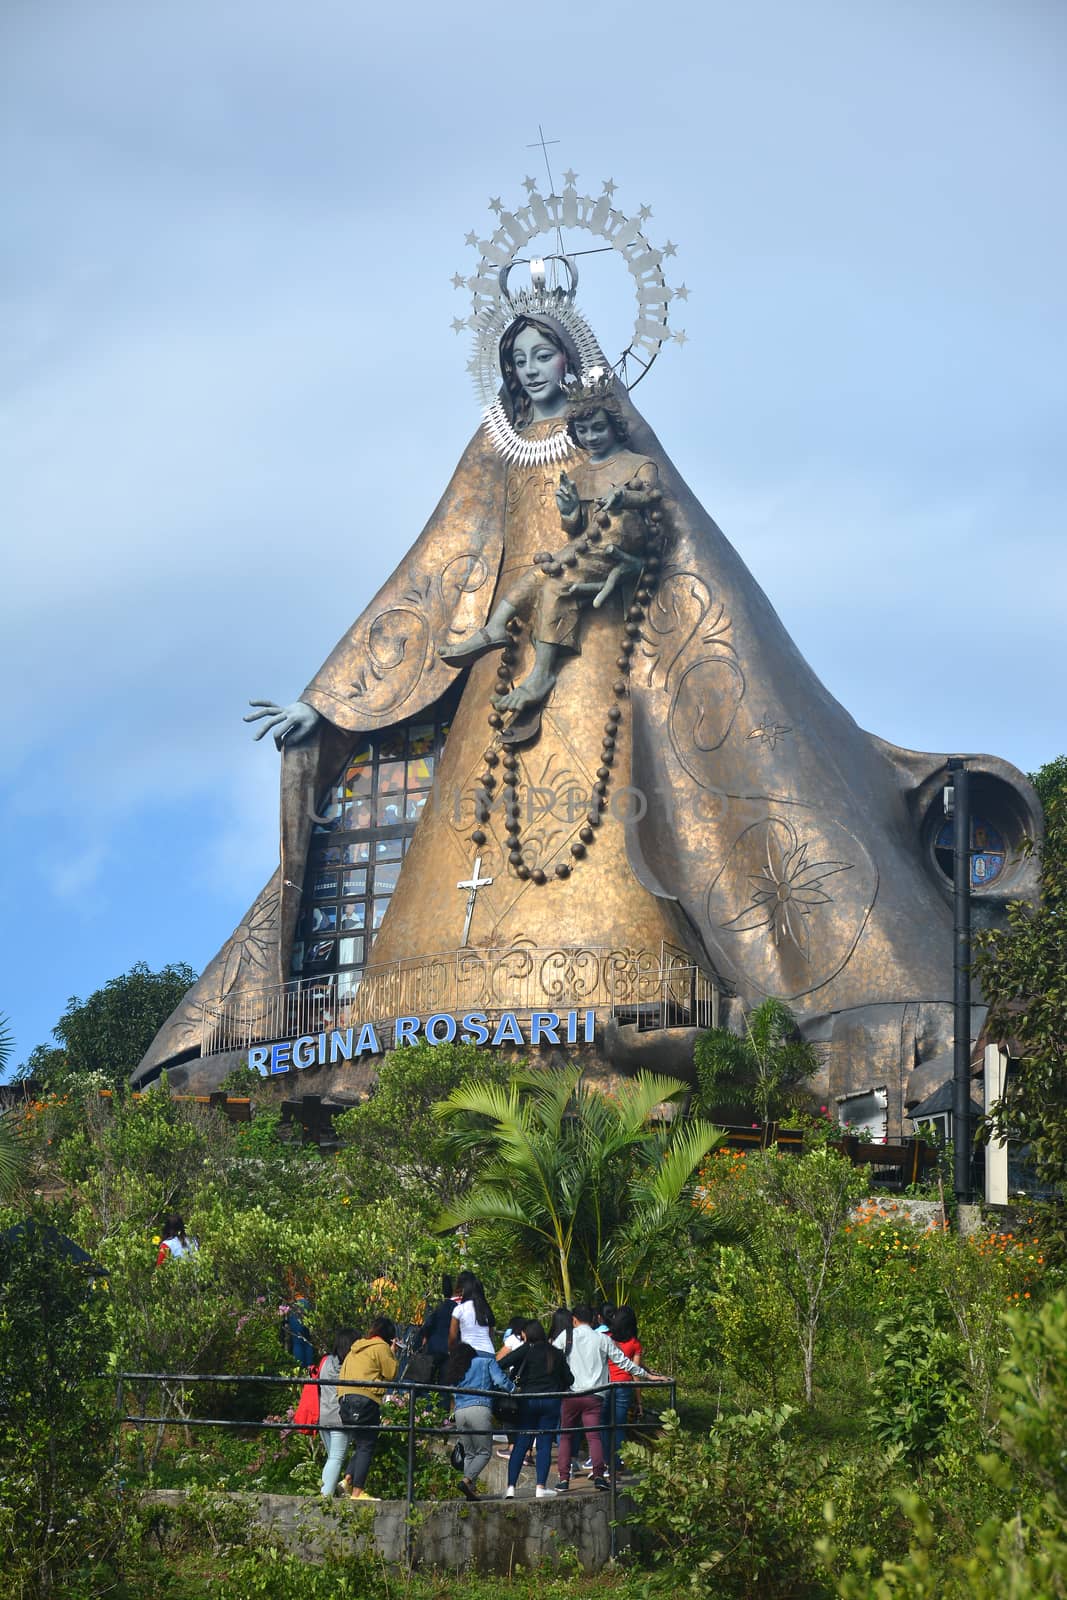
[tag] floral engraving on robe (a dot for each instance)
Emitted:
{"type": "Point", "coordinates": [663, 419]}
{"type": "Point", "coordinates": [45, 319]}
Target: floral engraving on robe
{"type": "Point", "coordinates": [791, 900]}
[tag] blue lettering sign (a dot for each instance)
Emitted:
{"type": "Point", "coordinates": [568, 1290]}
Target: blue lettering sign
{"type": "Point", "coordinates": [475, 1030]}
{"type": "Point", "coordinates": [447, 1022]}
{"type": "Point", "coordinates": [305, 1049]}
{"type": "Point", "coordinates": [340, 1046]}
{"type": "Point", "coordinates": [508, 1030]}
{"type": "Point", "coordinates": [368, 1041]}
{"type": "Point", "coordinates": [544, 1024]}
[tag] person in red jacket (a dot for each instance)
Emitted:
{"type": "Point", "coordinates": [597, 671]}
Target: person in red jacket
{"type": "Point", "coordinates": [619, 1399]}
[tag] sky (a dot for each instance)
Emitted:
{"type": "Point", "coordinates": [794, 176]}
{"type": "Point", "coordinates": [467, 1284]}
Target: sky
{"type": "Point", "coordinates": [230, 395]}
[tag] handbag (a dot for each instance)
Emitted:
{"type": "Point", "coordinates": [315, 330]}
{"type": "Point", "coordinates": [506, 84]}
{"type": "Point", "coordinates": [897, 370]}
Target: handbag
{"type": "Point", "coordinates": [457, 1456]}
{"type": "Point", "coordinates": [506, 1408]}
{"type": "Point", "coordinates": [358, 1411]}
{"type": "Point", "coordinates": [419, 1368]}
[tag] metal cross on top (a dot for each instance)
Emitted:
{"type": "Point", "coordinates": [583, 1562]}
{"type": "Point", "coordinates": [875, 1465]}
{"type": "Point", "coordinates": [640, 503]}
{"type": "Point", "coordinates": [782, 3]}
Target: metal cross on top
{"type": "Point", "coordinates": [473, 883]}
{"type": "Point", "coordinates": [542, 143]}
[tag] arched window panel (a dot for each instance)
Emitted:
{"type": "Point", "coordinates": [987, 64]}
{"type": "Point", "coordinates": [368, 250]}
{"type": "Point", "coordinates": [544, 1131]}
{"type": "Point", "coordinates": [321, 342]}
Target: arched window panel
{"type": "Point", "coordinates": [365, 823]}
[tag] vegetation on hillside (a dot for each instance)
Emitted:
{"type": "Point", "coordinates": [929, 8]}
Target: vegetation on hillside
{"type": "Point", "coordinates": [868, 1406]}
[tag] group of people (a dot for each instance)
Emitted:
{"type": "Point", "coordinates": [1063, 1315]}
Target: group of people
{"type": "Point", "coordinates": [574, 1377]}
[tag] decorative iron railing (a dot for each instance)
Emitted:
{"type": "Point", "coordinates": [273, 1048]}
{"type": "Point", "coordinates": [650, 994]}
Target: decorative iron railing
{"type": "Point", "coordinates": [643, 988]}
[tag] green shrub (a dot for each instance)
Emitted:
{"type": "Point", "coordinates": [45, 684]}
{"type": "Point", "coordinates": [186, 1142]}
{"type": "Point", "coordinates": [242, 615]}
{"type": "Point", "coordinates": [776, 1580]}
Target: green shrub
{"type": "Point", "coordinates": [919, 1389]}
{"type": "Point", "coordinates": [59, 1523]}
{"type": "Point", "coordinates": [1022, 1553]}
{"type": "Point", "coordinates": [737, 1511]}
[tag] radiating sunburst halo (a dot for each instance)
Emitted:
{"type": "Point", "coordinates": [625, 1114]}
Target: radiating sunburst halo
{"type": "Point", "coordinates": [493, 306]}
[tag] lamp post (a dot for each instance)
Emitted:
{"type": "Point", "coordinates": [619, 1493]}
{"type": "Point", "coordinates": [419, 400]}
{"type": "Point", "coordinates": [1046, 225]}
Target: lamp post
{"type": "Point", "coordinates": [958, 806]}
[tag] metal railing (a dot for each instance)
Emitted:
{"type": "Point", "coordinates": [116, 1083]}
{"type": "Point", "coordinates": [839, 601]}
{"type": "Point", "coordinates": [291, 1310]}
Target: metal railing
{"type": "Point", "coordinates": [643, 988]}
{"type": "Point", "coordinates": [410, 1428]}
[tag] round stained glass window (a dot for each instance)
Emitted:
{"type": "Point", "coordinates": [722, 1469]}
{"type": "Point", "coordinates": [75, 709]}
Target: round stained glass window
{"type": "Point", "coordinates": [988, 851]}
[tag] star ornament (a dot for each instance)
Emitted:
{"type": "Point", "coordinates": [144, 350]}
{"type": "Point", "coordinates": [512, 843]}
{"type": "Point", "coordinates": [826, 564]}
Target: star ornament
{"type": "Point", "coordinates": [458, 280]}
{"type": "Point", "coordinates": [680, 336]}
{"type": "Point", "coordinates": [458, 324]}
{"type": "Point", "coordinates": [570, 177]}
{"type": "Point", "coordinates": [609, 187]}
{"type": "Point", "coordinates": [471, 238]}
{"type": "Point", "coordinates": [529, 184]}
{"type": "Point", "coordinates": [769, 732]}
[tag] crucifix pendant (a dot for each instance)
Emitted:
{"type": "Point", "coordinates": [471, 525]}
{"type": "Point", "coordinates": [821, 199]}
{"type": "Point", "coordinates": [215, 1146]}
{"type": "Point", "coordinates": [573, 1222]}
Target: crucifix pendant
{"type": "Point", "coordinates": [473, 884]}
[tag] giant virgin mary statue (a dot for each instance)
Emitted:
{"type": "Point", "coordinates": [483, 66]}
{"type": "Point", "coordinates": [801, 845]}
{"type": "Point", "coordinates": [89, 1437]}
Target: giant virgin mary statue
{"type": "Point", "coordinates": [568, 750]}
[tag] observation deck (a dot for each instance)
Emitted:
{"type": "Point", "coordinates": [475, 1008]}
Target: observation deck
{"type": "Point", "coordinates": [641, 989]}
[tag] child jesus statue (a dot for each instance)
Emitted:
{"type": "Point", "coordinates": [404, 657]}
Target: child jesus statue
{"type": "Point", "coordinates": [611, 513]}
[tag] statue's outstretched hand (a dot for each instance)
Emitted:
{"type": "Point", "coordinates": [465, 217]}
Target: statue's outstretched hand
{"type": "Point", "coordinates": [290, 724]}
{"type": "Point", "coordinates": [567, 497]}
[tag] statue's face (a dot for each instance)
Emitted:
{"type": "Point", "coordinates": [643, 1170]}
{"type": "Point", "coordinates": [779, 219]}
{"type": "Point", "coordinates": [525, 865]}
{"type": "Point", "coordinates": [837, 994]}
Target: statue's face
{"type": "Point", "coordinates": [540, 368]}
{"type": "Point", "coordinates": [595, 434]}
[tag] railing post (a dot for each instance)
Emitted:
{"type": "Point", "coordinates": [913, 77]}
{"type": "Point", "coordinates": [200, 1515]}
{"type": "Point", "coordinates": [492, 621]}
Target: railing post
{"type": "Point", "coordinates": [409, 1530]}
{"type": "Point", "coordinates": [613, 1496]}
{"type": "Point", "coordinates": [120, 1395]}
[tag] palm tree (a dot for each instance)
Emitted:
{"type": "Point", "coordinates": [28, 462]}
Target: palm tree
{"type": "Point", "coordinates": [11, 1151]}
{"type": "Point", "coordinates": [570, 1172]}
{"type": "Point", "coordinates": [759, 1068]}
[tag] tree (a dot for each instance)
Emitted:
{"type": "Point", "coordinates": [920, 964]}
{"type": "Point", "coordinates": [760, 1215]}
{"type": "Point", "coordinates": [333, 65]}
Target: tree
{"type": "Point", "coordinates": [758, 1069]}
{"type": "Point", "coordinates": [582, 1175]}
{"type": "Point", "coordinates": [1023, 973]}
{"type": "Point", "coordinates": [798, 1221]}
{"type": "Point", "coordinates": [395, 1131]}
{"type": "Point", "coordinates": [11, 1152]}
{"type": "Point", "coordinates": [55, 1419]}
{"type": "Point", "coordinates": [110, 1031]}
{"type": "Point", "coordinates": [1050, 780]}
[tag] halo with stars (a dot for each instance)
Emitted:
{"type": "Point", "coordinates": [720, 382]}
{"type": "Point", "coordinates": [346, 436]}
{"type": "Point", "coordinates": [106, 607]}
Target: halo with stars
{"type": "Point", "coordinates": [552, 213]}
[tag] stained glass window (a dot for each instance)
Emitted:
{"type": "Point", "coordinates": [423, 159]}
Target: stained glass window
{"type": "Point", "coordinates": [988, 852]}
{"type": "Point", "coordinates": [363, 827]}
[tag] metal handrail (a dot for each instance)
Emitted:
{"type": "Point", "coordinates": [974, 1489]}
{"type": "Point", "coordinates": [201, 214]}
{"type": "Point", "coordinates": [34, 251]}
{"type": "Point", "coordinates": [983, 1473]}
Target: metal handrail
{"type": "Point", "coordinates": [410, 1429]}
{"type": "Point", "coordinates": [648, 987]}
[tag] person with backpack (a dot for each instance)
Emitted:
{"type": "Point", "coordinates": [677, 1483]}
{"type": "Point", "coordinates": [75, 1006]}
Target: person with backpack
{"type": "Point", "coordinates": [175, 1242]}
{"type": "Point", "coordinates": [588, 1360]}
{"type": "Point", "coordinates": [335, 1437]}
{"type": "Point", "coordinates": [367, 1370]}
{"type": "Point", "coordinates": [435, 1328]}
{"type": "Point", "coordinates": [537, 1369]}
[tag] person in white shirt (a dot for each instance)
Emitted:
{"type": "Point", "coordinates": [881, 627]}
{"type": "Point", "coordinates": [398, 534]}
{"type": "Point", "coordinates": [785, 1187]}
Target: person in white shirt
{"type": "Point", "coordinates": [472, 1320]}
{"type": "Point", "coordinates": [588, 1361]}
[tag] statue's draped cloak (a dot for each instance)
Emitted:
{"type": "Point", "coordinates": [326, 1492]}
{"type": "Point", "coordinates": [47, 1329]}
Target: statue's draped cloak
{"type": "Point", "coordinates": [784, 838]}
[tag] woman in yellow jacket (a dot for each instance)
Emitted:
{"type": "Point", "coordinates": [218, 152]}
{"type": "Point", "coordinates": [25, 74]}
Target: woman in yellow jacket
{"type": "Point", "coordinates": [368, 1368]}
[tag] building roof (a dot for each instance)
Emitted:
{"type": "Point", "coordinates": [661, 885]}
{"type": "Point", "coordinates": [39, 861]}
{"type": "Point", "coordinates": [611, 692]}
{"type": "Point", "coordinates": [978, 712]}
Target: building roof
{"type": "Point", "coordinates": [939, 1102]}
